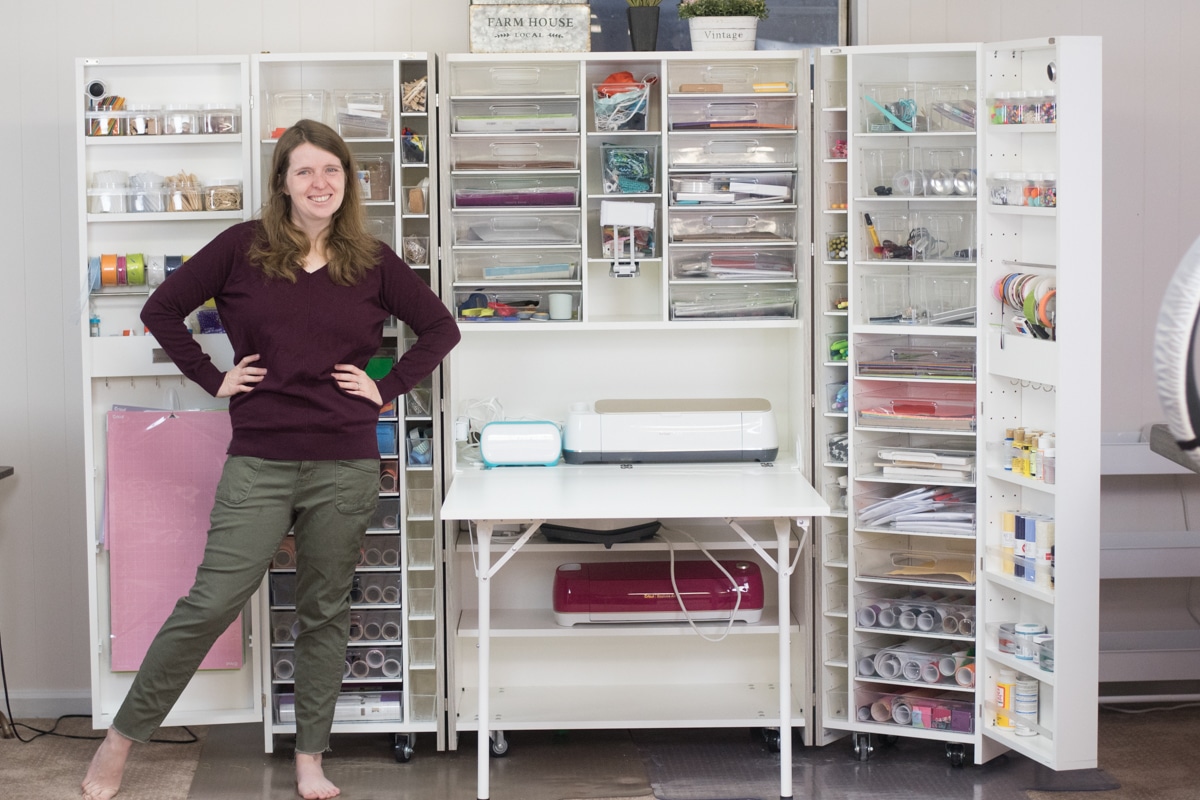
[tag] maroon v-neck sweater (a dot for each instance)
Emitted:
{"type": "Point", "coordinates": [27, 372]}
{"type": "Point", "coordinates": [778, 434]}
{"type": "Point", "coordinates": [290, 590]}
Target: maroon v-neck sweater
{"type": "Point", "coordinates": [300, 330]}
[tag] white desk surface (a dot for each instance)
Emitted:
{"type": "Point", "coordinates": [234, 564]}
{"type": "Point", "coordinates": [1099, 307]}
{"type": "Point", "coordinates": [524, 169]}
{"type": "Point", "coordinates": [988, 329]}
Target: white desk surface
{"type": "Point", "coordinates": [613, 491]}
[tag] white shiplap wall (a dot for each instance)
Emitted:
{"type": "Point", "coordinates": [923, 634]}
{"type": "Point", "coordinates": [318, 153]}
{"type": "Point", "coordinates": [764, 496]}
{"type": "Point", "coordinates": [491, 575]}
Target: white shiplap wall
{"type": "Point", "coordinates": [43, 572]}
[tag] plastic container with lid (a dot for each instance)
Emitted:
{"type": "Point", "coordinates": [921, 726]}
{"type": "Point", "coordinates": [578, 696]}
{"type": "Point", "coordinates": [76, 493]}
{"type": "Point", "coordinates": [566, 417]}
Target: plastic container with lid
{"type": "Point", "coordinates": [145, 120]}
{"type": "Point", "coordinates": [1016, 188]}
{"type": "Point", "coordinates": [1031, 109]}
{"type": "Point", "coordinates": [106, 123]}
{"type": "Point", "coordinates": [223, 194]}
{"type": "Point", "coordinates": [1048, 190]}
{"type": "Point", "coordinates": [184, 193]}
{"type": "Point", "coordinates": [1032, 191]}
{"type": "Point", "coordinates": [1025, 633]}
{"type": "Point", "coordinates": [220, 119]}
{"type": "Point", "coordinates": [146, 193]}
{"type": "Point", "coordinates": [1049, 113]}
{"type": "Point", "coordinates": [1006, 681]}
{"type": "Point", "coordinates": [178, 119]}
{"type": "Point", "coordinates": [1012, 109]}
{"type": "Point", "coordinates": [998, 186]}
{"type": "Point", "coordinates": [109, 192]}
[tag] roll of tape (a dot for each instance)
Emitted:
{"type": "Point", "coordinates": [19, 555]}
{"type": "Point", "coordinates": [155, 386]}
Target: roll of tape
{"type": "Point", "coordinates": [135, 269]}
{"type": "Point", "coordinates": [156, 270]}
{"type": "Point", "coordinates": [122, 276]}
{"type": "Point", "coordinates": [93, 273]}
{"type": "Point", "coordinates": [108, 269]}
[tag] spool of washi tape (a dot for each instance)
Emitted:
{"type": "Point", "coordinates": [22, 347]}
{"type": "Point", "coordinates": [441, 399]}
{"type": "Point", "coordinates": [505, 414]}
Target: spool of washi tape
{"type": "Point", "coordinates": [156, 270]}
{"type": "Point", "coordinates": [135, 269]}
{"type": "Point", "coordinates": [171, 263]}
{"type": "Point", "coordinates": [122, 279]}
{"type": "Point", "coordinates": [108, 269]}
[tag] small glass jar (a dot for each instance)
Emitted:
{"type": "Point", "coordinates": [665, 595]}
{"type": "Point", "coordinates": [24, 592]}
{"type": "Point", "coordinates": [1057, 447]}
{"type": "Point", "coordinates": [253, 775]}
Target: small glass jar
{"type": "Point", "coordinates": [1012, 113]}
{"type": "Point", "coordinates": [1031, 109]}
{"type": "Point", "coordinates": [220, 119]}
{"type": "Point", "coordinates": [1000, 108]}
{"type": "Point", "coordinates": [998, 187]}
{"type": "Point", "coordinates": [146, 193]}
{"type": "Point", "coordinates": [1049, 190]}
{"type": "Point", "coordinates": [223, 194]}
{"type": "Point", "coordinates": [1033, 190]}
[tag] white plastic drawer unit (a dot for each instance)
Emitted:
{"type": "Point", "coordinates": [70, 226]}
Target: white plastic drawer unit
{"type": "Point", "coordinates": [744, 77]}
{"type": "Point", "coordinates": [732, 226]}
{"type": "Point", "coordinates": [704, 150]}
{"type": "Point", "coordinates": [733, 114]}
{"type": "Point", "coordinates": [515, 266]}
{"type": "Point", "coordinates": [515, 115]}
{"type": "Point", "coordinates": [470, 153]}
{"type": "Point", "coordinates": [512, 228]}
{"type": "Point", "coordinates": [495, 80]}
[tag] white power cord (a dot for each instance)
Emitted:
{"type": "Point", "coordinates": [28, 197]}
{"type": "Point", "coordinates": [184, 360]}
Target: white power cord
{"type": "Point", "coordinates": [737, 603]}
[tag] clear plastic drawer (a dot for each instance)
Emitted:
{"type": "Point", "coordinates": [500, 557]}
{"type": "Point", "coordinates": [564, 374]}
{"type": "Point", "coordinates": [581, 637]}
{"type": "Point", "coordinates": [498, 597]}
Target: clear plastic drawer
{"type": "Point", "coordinates": [375, 589]}
{"type": "Point", "coordinates": [913, 458]}
{"type": "Point", "coordinates": [716, 188]}
{"type": "Point", "coordinates": [917, 407]}
{"type": "Point", "coordinates": [928, 509]}
{"type": "Point", "coordinates": [914, 357]}
{"type": "Point", "coordinates": [923, 661]}
{"type": "Point", "coordinates": [916, 296]}
{"type": "Point", "coordinates": [760, 77]}
{"type": "Point", "coordinates": [509, 229]}
{"type": "Point", "coordinates": [515, 116]}
{"type": "Point", "coordinates": [900, 609]}
{"type": "Point", "coordinates": [920, 236]}
{"type": "Point", "coordinates": [933, 709]}
{"type": "Point", "coordinates": [532, 305]}
{"type": "Point", "coordinates": [951, 564]}
{"type": "Point", "coordinates": [739, 150]}
{"type": "Point", "coordinates": [380, 551]}
{"type": "Point", "coordinates": [363, 114]}
{"type": "Point", "coordinates": [755, 301]}
{"type": "Point", "coordinates": [710, 226]}
{"type": "Point", "coordinates": [770, 264]}
{"type": "Point", "coordinates": [550, 190]}
{"type": "Point", "coordinates": [375, 626]}
{"type": "Point", "coordinates": [734, 114]}
{"type": "Point", "coordinates": [489, 80]}
{"type": "Point", "coordinates": [364, 663]}
{"type": "Point", "coordinates": [386, 516]}
{"type": "Point", "coordinates": [518, 265]}
{"type": "Point", "coordinates": [522, 153]}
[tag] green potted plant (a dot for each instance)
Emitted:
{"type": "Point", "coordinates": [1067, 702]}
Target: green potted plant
{"type": "Point", "coordinates": [723, 24]}
{"type": "Point", "coordinates": [643, 24]}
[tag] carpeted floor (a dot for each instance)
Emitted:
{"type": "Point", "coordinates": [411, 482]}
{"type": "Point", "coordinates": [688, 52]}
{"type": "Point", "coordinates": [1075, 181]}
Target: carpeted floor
{"type": "Point", "coordinates": [52, 767]}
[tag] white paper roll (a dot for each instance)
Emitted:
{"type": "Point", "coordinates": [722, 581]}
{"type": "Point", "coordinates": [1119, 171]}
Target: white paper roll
{"type": "Point", "coordinates": [372, 594]}
{"type": "Point", "coordinates": [372, 631]}
{"type": "Point", "coordinates": [390, 631]}
{"type": "Point", "coordinates": [391, 595]}
{"type": "Point", "coordinates": [359, 669]}
{"type": "Point", "coordinates": [284, 668]}
{"type": "Point", "coordinates": [374, 658]}
{"type": "Point", "coordinates": [392, 668]}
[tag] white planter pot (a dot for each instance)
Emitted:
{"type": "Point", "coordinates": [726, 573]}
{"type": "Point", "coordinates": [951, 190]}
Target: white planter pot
{"type": "Point", "coordinates": [723, 33]}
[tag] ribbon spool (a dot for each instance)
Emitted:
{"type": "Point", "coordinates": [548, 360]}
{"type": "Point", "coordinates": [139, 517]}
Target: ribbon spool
{"type": "Point", "coordinates": [108, 269]}
{"type": "Point", "coordinates": [135, 269]}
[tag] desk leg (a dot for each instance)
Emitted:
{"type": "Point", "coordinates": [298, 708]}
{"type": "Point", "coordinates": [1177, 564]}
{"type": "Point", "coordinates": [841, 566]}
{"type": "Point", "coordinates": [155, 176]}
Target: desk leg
{"type": "Point", "coordinates": [783, 535]}
{"type": "Point", "coordinates": [485, 624]}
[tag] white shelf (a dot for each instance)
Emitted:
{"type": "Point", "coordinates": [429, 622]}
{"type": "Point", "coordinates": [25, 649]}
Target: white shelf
{"type": "Point", "coordinates": [539, 622]}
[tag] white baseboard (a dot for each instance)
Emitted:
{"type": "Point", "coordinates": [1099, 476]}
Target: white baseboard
{"type": "Point", "coordinates": [48, 705]}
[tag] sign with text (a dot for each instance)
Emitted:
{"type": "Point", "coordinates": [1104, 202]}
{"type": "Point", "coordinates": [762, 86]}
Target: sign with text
{"type": "Point", "coordinates": [531, 28]}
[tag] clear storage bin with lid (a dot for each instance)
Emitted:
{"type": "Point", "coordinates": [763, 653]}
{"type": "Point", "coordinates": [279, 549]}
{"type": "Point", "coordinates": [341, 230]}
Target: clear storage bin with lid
{"type": "Point", "coordinates": [223, 194]}
{"type": "Point", "coordinates": [363, 114]}
{"type": "Point", "coordinates": [109, 192]}
{"type": "Point", "coordinates": [181, 119]}
{"type": "Point", "coordinates": [285, 109]}
{"type": "Point", "coordinates": [184, 193]}
{"type": "Point", "coordinates": [106, 123]}
{"type": "Point", "coordinates": [146, 193]}
{"type": "Point", "coordinates": [145, 120]}
{"type": "Point", "coordinates": [220, 119]}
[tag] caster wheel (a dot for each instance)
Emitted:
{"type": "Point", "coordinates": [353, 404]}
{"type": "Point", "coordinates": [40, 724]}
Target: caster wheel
{"type": "Point", "coordinates": [862, 746]}
{"type": "Point", "coordinates": [499, 745]}
{"type": "Point", "coordinates": [402, 749]}
{"type": "Point", "coordinates": [771, 737]}
{"type": "Point", "coordinates": [956, 753]}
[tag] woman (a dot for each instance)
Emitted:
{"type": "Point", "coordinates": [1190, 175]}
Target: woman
{"type": "Point", "coordinates": [303, 294]}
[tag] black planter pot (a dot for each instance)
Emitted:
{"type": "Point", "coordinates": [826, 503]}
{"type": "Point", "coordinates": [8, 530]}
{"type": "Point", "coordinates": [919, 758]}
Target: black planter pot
{"type": "Point", "coordinates": [643, 27]}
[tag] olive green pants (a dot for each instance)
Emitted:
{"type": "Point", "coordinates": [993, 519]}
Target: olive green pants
{"type": "Point", "coordinates": [328, 505]}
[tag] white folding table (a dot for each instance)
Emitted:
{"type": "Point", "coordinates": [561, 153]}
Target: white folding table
{"type": "Point", "coordinates": [732, 492]}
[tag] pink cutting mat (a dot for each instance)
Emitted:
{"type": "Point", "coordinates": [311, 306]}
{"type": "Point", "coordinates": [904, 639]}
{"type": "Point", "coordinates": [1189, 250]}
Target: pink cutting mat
{"type": "Point", "coordinates": [163, 469]}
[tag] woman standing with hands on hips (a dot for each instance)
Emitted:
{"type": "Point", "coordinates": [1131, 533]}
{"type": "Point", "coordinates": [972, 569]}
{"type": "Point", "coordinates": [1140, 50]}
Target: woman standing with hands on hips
{"type": "Point", "coordinates": [303, 293]}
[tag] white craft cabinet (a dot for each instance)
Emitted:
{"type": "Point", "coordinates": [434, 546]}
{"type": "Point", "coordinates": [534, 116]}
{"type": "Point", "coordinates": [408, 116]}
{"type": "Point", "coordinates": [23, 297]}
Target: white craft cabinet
{"type": "Point", "coordinates": [904, 369]}
{"type": "Point", "coordinates": [376, 102]}
{"type": "Point", "coordinates": [703, 318]}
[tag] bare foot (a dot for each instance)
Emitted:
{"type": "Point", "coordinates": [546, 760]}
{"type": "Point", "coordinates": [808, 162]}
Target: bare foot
{"type": "Point", "coordinates": [311, 783]}
{"type": "Point", "coordinates": [103, 778]}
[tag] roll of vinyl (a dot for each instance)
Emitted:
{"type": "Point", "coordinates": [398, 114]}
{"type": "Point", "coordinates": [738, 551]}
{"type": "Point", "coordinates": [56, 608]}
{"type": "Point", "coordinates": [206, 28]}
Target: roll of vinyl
{"type": "Point", "coordinates": [965, 675]}
{"type": "Point", "coordinates": [282, 633]}
{"type": "Point", "coordinates": [907, 619]}
{"type": "Point", "coordinates": [356, 594]}
{"type": "Point", "coordinates": [864, 713]}
{"type": "Point", "coordinates": [372, 557]}
{"type": "Point", "coordinates": [108, 269]}
{"type": "Point", "coordinates": [392, 668]}
{"type": "Point", "coordinates": [964, 182]}
{"type": "Point", "coordinates": [356, 628]}
{"type": "Point", "coordinates": [926, 620]}
{"type": "Point", "coordinates": [887, 665]}
{"type": "Point", "coordinates": [391, 521]}
{"type": "Point", "coordinates": [284, 559]}
{"type": "Point", "coordinates": [867, 616]}
{"type": "Point", "coordinates": [901, 712]}
{"type": "Point", "coordinates": [374, 658]}
{"type": "Point", "coordinates": [372, 594]}
{"type": "Point", "coordinates": [284, 668]}
{"type": "Point", "coordinates": [390, 631]}
{"type": "Point", "coordinates": [346, 669]}
{"type": "Point", "coordinates": [391, 595]}
{"type": "Point", "coordinates": [941, 182]}
{"type": "Point", "coordinates": [966, 626]}
{"type": "Point", "coordinates": [391, 557]}
{"type": "Point", "coordinates": [950, 623]}
{"type": "Point", "coordinates": [931, 672]}
{"type": "Point", "coordinates": [881, 710]}
{"type": "Point", "coordinates": [947, 666]}
{"type": "Point", "coordinates": [387, 482]}
{"type": "Point", "coordinates": [887, 618]}
{"type": "Point", "coordinates": [359, 669]}
{"type": "Point", "coordinates": [296, 629]}
{"type": "Point", "coordinates": [372, 631]}
{"type": "Point", "coordinates": [912, 669]}
{"type": "Point", "coordinates": [909, 183]}
{"type": "Point", "coordinates": [866, 667]}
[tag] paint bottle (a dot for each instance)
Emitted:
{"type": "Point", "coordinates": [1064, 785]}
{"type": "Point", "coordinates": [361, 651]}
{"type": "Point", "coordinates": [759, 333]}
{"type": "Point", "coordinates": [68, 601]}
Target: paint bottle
{"type": "Point", "coordinates": [1025, 705]}
{"type": "Point", "coordinates": [1005, 683]}
{"type": "Point", "coordinates": [1049, 457]}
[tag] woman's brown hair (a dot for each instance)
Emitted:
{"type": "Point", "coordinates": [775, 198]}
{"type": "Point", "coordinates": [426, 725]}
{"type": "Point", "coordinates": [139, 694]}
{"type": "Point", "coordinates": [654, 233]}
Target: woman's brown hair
{"type": "Point", "coordinates": [280, 246]}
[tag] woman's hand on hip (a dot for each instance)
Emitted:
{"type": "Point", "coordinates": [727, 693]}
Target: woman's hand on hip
{"type": "Point", "coordinates": [353, 380]}
{"type": "Point", "coordinates": [242, 378]}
